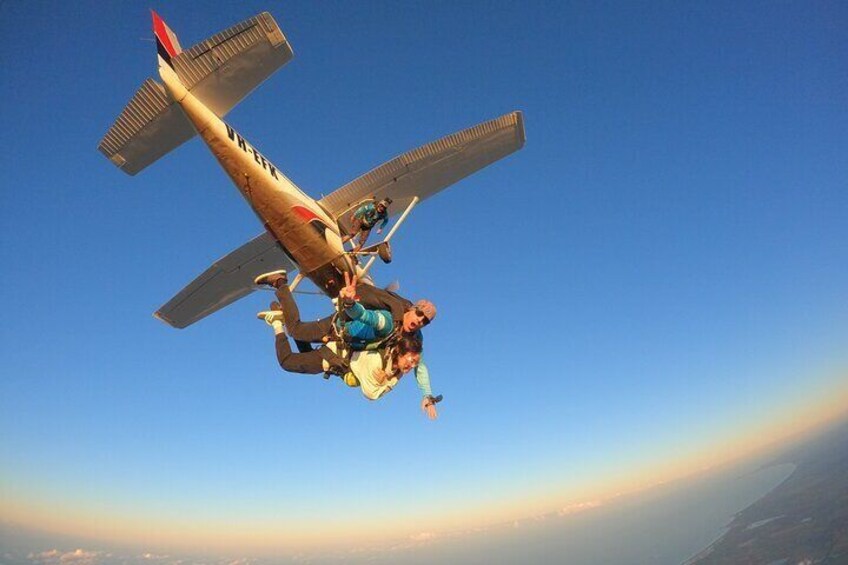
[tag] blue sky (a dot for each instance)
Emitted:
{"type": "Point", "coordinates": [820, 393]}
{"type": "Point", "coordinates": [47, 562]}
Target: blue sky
{"type": "Point", "coordinates": [662, 268]}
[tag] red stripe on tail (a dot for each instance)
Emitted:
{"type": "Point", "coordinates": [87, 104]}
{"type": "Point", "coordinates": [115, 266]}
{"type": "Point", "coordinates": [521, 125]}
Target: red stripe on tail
{"type": "Point", "coordinates": [160, 30]}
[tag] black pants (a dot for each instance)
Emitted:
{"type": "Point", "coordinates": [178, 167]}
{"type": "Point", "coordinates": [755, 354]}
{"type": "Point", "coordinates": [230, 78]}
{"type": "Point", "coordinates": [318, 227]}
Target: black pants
{"type": "Point", "coordinates": [305, 333]}
{"type": "Point", "coordinates": [302, 332]}
{"type": "Point", "coordinates": [309, 363]}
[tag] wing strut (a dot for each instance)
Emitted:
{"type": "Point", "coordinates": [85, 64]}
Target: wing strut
{"type": "Point", "coordinates": [296, 282]}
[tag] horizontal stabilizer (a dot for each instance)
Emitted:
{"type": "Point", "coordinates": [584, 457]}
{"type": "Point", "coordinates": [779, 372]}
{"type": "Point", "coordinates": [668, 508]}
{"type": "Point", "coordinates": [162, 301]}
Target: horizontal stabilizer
{"type": "Point", "coordinates": [430, 168]}
{"type": "Point", "coordinates": [148, 128]}
{"type": "Point", "coordinates": [219, 71]}
{"type": "Point", "coordinates": [225, 68]}
{"type": "Point", "coordinates": [227, 280]}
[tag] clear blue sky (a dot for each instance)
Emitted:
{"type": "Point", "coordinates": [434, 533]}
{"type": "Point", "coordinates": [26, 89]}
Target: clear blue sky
{"type": "Point", "coordinates": [662, 267]}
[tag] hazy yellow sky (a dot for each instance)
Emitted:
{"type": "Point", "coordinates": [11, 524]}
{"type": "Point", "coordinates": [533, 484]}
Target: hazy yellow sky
{"type": "Point", "coordinates": [291, 533]}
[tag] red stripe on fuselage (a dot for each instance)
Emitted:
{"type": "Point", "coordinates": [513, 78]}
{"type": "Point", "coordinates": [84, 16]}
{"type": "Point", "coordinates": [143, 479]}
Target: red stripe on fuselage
{"type": "Point", "coordinates": [306, 214]}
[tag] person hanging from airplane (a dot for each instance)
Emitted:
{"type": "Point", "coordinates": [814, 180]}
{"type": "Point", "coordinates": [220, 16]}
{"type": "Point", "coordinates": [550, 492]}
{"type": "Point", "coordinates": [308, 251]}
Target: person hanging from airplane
{"type": "Point", "coordinates": [372, 320]}
{"type": "Point", "coordinates": [365, 218]}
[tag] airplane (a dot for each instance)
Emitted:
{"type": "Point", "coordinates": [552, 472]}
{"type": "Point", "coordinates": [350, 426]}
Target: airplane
{"type": "Point", "coordinates": [199, 87]}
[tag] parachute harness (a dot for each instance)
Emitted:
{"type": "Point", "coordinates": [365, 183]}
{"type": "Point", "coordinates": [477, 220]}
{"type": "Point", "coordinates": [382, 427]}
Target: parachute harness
{"type": "Point", "coordinates": [386, 346]}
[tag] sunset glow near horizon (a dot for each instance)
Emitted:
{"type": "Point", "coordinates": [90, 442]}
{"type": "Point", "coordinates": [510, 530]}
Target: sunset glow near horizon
{"type": "Point", "coordinates": [228, 534]}
{"type": "Point", "coordinates": [652, 287]}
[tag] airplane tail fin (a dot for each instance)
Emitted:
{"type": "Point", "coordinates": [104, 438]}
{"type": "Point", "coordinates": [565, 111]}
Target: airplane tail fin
{"type": "Point", "coordinates": [167, 44]}
{"type": "Point", "coordinates": [219, 71]}
{"type": "Point", "coordinates": [151, 125]}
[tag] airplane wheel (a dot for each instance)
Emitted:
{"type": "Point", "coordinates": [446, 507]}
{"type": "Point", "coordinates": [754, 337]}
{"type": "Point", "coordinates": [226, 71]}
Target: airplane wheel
{"type": "Point", "coordinates": [385, 252]}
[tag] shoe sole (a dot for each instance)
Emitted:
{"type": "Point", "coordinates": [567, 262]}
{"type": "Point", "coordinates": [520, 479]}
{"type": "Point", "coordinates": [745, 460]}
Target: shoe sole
{"type": "Point", "coordinates": [261, 315]}
{"type": "Point", "coordinates": [258, 280]}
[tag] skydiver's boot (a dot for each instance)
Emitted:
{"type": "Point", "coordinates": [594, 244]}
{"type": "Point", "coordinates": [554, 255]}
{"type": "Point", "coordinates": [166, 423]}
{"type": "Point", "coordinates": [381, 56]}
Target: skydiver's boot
{"type": "Point", "coordinates": [273, 317]}
{"type": "Point", "coordinates": [274, 279]}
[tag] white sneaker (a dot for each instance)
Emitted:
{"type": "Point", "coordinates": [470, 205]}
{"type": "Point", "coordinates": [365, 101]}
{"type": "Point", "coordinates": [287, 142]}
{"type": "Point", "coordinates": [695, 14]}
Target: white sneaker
{"type": "Point", "coordinates": [275, 314]}
{"type": "Point", "coordinates": [270, 315]}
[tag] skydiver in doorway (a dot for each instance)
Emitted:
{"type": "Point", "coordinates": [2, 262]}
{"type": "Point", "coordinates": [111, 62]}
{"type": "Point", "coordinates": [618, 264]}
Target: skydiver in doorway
{"type": "Point", "coordinates": [365, 218]}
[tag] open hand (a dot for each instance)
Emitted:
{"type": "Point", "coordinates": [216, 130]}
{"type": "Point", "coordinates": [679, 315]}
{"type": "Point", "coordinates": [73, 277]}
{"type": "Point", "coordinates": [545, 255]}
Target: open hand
{"type": "Point", "coordinates": [380, 376]}
{"type": "Point", "coordinates": [429, 408]}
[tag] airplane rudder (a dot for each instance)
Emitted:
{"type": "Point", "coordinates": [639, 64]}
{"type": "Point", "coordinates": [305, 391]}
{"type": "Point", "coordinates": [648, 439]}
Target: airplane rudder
{"type": "Point", "coordinates": [167, 44]}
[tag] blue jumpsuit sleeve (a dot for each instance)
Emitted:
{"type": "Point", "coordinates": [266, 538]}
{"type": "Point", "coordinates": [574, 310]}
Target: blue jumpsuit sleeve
{"type": "Point", "coordinates": [360, 212]}
{"type": "Point", "coordinates": [380, 320]}
{"type": "Point", "coordinates": [422, 377]}
{"type": "Point", "coordinates": [385, 220]}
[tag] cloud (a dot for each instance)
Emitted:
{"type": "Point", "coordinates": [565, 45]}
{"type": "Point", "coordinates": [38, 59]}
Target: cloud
{"type": "Point", "coordinates": [75, 557]}
{"type": "Point", "coordinates": [579, 507]}
{"type": "Point", "coordinates": [45, 555]}
{"type": "Point", "coordinates": [422, 536]}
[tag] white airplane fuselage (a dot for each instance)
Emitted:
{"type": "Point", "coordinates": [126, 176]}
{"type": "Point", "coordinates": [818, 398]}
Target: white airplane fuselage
{"type": "Point", "coordinates": [305, 232]}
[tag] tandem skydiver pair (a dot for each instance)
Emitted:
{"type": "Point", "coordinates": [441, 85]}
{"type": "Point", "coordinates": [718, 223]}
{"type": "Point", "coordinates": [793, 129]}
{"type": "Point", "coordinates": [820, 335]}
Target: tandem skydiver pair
{"type": "Point", "coordinates": [371, 341]}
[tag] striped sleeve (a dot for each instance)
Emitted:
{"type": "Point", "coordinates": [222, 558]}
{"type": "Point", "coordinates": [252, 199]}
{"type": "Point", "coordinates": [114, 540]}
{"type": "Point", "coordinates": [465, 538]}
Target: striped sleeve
{"type": "Point", "coordinates": [380, 320]}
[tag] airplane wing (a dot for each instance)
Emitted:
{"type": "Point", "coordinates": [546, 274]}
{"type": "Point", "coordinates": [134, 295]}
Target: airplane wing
{"type": "Point", "coordinates": [227, 280]}
{"type": "Point", "coordinates": [219, 71]}
{"type": "Point", "coordinates": [421, 172]}
{"type": "Point", "coordinates": [430, 168]}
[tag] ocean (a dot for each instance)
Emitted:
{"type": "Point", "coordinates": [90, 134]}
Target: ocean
{"type": "Point", "coordinates": [666, 524]}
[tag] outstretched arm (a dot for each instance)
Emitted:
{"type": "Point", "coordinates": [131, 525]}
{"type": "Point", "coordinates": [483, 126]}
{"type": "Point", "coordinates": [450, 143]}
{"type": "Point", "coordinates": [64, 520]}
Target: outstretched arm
{"type": "Point", "coordinates": [422, 377]}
